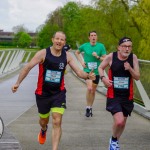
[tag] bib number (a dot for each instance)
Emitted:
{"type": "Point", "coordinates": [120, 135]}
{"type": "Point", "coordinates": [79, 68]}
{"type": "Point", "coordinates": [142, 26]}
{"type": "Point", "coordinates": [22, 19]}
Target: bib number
{"type": "Point", "coordinates": [53, 76]}
{"type": "Point", "coordinates": [92, 65]}
{"type": "Point", "coordinates": [121, 82]}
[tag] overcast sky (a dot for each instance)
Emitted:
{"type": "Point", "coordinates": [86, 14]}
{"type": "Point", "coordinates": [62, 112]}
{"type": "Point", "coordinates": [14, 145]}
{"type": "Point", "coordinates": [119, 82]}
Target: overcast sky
{"type": "Point", "coordinates": [30, 13]}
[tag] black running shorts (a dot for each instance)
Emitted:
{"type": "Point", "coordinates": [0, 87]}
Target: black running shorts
{"type": "Point", "coordinates": [119, 104]}
{"type": "Point", "coordinates": [45, 103]}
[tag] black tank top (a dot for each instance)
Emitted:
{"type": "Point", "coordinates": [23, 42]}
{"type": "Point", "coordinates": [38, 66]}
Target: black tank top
{"type": "Point", "coordinates": [51, 74]}
{"type": "Point", "coordinates": [122, 80]}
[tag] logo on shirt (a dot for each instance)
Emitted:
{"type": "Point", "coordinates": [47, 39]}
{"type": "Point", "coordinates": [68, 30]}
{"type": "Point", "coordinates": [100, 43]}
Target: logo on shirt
{"type": "Point", "coordinates": [61, 66]}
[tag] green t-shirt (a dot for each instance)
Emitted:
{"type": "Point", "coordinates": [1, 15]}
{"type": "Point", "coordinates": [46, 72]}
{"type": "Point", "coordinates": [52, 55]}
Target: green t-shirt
{"type": "Point", "coordinates": [91, 61]}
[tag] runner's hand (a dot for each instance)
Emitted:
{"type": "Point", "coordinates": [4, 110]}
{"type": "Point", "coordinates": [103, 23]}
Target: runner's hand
{"type": "Point", "coordinates": [15, 88]}
{"type": "Point", "coordinates": [83, 65]}
{"type": "Point", "coordinates": [92, 75]}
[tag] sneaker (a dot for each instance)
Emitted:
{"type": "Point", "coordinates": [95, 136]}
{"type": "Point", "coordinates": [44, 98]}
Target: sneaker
{"type": "Point", "coordinates": [89, 112]}
{"type": "Point", "coordinates": [113, 145]}
{"type": "Point", "coordinates": [42, 136]}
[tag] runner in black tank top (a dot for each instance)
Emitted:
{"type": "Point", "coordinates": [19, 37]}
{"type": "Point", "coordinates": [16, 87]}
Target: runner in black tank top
{"type": "Point", "coordinates": [51, 74]}
{"type": "Point", "coordinates": [121, 78]}
{"type": "Point", "coordinates": [123, 69]}
{"type": "Point", "coordinates": [51, 92]}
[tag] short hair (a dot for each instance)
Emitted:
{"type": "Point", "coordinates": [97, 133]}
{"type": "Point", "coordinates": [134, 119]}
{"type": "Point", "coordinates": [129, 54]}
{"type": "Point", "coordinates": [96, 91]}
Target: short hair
{"type": "Point", "coordinates": [59, 32]}
{"type": "Point", "coordinates": [124, 39]}
{"type": "Point", "coordinates": [92, 32]}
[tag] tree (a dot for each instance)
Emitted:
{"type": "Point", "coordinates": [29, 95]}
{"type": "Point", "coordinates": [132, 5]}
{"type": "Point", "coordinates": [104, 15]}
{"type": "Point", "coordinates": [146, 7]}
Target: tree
{"type": "Point", "coordinates": [22, 39]}
{"type": "Point", "coordinates": [19, 28]}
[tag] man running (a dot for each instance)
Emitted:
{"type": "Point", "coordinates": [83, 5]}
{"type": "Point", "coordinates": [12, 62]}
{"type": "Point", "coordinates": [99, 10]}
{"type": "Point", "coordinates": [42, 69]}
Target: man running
{"type": "Point", "coordinates": [94, 53]}
{"type": "Point", "coordinates": [123, 69]}
{"type": "Point", "coordinates": [51, 92]}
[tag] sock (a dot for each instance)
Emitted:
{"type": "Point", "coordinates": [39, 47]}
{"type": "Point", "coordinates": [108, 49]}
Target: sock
{"type": "Point", "coordinates": [114, 139]}
{"type": "Point", "coordinates": [88, 107]}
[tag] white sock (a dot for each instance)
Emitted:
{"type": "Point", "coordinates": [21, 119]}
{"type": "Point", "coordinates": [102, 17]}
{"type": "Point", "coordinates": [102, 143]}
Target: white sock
{"type": "Point", "coordinates": [88, 107]}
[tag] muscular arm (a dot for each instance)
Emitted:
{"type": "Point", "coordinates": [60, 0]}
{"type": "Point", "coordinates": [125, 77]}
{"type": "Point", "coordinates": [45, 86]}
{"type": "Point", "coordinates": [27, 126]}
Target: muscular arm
{"type": "Point", "coordinates": [38, 58]}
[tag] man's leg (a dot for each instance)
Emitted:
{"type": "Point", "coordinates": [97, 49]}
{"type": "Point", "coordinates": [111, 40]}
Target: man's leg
{"type": "Point", "coordinates": [44, 119]}
{"type": "Point", "coordinates": [118, 125]}
{"type": "Point", "coordinates": [90, 96]}
{"type": "Point", "coordinates": [117, 130]}
{"type": "Point", "coordinates": [43, 123]}
{"type": "Point", "coordinates": [56, 129]}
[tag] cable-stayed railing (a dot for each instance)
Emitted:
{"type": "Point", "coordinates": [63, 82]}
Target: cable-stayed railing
{"type": "Point", "coordinates": [10, 60]}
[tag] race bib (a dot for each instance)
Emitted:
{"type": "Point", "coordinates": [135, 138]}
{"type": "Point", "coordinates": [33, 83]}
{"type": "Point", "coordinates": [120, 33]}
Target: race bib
{"type": "Point", "coordinates": [92, 65]}
{"type": "Point", "coordinates": [53, 76]}
{"type": "Point", "coordinates": [121, 82]}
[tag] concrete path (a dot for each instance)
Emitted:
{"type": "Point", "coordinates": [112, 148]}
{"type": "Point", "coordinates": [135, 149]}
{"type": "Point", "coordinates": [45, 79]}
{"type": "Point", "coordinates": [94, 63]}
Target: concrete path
{"type": "Point", "coordinates": [79, 132]}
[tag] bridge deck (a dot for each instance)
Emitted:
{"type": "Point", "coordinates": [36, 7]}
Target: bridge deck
{"type": "Point", "coordinates": [79, 132]}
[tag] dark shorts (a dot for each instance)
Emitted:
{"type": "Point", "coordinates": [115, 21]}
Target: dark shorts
{"type": "Point", "coordinates": [96, 81]}
{"type": "Point", "coordinates": [45, 103]}
{"type": "Point", "coordinates": [119, 104]}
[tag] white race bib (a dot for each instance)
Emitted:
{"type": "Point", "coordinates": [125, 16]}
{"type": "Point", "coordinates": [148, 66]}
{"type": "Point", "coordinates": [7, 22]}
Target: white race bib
{"type": "Point", "coordinates": [92, 65]}
{"type": "Point", "coordinates": [121, 82]}
{"type": "Point", "coordinates": [53, 76]}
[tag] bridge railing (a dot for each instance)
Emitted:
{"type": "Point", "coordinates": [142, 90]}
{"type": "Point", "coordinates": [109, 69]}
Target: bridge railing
{"type": "Point", "coordinates": [10, 60]}
{"type": "Point", "coordinates": [141, 87]}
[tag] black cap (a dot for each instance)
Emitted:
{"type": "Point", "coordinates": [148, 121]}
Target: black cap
{"type": "Point", "coordinates": [66, 47]}
{"type": "Point", "coordinates": [124, 39]}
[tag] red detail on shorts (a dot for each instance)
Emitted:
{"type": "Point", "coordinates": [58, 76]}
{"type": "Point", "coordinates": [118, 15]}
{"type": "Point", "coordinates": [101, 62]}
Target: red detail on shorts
{"type": "Point", "coordinates": [40, 80]}
{"type": "Point", "coordinates": [131, 90]}
{"type": "Point", "coordinates": [110, 91]}
{"type": "Point", "coordinates": [62, 86]}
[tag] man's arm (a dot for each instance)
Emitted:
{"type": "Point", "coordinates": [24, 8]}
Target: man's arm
{"type": "Point", "coordinates": [135, 70]}
{"type": "Point", "coordinates": [80, 73]}
{"type": "Point", "coordinates": [38, 58]}
{"type": "Point", "coordinates": [80, 59]}
{"type": "Point", "coordinates": [98, 57]}
{"type": "Point", "coordinates": [107, 61]}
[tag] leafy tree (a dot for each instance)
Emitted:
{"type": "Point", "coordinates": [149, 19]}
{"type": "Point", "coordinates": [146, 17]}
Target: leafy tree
{"type": "Point", "coordinates": [19, 28]}
{"type": "Point", "coordinates": [141, 15]}
{"type": "Point", "coordinates": [52, 24]}
{"type": "Point", "coordinates": [24, 40]}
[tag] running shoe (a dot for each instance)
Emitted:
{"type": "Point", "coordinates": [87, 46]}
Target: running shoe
{"type": "Point", "coordinates": [88, 112]}
{"type": "Point", "coordinates": [42, 136]}
{"type": "Point", "coordinates": [113, 145]}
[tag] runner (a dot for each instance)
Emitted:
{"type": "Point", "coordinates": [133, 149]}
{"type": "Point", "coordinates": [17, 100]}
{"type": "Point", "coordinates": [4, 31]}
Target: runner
{"type": "Point", "coordinates": [124, 68]}
{"type": "Point", "coordinates": [94, 53]}
{"type": "Point", "coordinates": [51, 92]}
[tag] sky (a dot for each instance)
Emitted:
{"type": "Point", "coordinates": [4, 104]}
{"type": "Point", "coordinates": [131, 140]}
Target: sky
{"type": "Point", "coordinates": [29, 13]}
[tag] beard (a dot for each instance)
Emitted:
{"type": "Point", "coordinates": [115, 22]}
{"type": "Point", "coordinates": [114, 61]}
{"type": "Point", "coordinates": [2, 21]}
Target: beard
{"type": "Point", "coordinates": [125, 55]}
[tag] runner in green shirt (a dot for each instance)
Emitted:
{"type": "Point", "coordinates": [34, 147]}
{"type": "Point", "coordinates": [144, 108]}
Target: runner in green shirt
{"type": "Point", "coordinates": [93, 53]}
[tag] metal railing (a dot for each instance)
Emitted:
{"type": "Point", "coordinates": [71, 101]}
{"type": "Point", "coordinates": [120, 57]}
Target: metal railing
{"type": "Point", "coordinates": [10, 60]}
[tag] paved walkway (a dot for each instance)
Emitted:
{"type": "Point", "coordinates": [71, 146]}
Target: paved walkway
{"type": "Point", "coordinates": [79, 132]}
